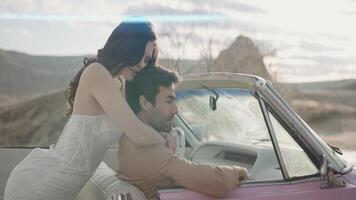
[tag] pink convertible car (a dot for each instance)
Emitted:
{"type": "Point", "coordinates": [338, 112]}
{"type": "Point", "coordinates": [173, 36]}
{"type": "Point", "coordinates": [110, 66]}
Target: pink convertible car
{"type": "Point", "coordinates": [236, 119]}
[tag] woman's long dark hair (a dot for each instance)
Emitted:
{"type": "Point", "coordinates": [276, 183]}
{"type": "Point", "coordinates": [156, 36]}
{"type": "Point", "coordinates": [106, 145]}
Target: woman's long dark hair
{"type": "Point", "coordinates": [125, 47]}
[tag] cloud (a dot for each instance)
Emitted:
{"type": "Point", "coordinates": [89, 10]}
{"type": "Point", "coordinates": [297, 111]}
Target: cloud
{"type": "Point", "coordinates": [325, 61]}
{"type": "Point", "coordinates": [17, 6]}
{"type": "Point", "coordinates": [350, 12]}
{"type": "Point", "coordinates": [314, 46]}
{"type": "Point", "coordinates": [234, 5]}
{"type": "Point", "coordinates": [335, 37]}
{"type": "Point", "coordinates": [152, 9]}
{"type": "Point", "coordinates": [221, 10]}
{"type": "Point", "coordinates": [300, 72]}
{"type": "Point", "coordinates": [49, 38]}
{"type": "Point", "coordinates": [63, 27]}
{"type": "Point", "coordinates": [61, 7]}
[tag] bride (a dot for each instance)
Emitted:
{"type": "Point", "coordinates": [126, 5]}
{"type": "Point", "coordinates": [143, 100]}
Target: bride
{"type": "Point", "coordinates": [99, 116]}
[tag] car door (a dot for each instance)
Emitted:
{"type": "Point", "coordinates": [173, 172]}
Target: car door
{"type": "Point", "coordinates": [270, 191]}
{"type": "Point", "coordinates": [282, 168]}
{"type": "Point", "coordinates": [306, 183]}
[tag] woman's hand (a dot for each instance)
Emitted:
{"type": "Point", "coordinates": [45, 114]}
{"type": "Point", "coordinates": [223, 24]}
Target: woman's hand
{"type": "Point", "coordinates": [158, 138]}
{"type": "Point", "coordinates": [170, 141]}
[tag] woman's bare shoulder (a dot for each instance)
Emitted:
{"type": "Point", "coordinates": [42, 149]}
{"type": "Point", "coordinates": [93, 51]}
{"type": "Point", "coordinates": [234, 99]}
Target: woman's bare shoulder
{"type": "Point", "coordinates": [94, 68]}
{"type": "Point", "coordinates": [95, 71]}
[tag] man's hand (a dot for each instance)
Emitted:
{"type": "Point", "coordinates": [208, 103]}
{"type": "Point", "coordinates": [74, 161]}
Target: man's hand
{"type": "Point", "coordinates": [244, 174]}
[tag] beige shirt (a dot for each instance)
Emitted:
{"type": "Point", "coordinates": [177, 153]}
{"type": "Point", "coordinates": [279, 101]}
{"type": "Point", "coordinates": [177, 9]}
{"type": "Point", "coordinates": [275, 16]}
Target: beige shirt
{"type": "Point", "coordinates": [149, 167]}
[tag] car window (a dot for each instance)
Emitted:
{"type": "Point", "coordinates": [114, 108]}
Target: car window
{"type": "Point", "coordinates": [297, 162]}
{"type": "Point", "coordinates": [236, 128]}
{"type": "Point", "coordinates": [237, 117]}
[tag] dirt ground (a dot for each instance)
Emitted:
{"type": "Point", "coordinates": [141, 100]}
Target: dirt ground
{"type": "Point", "coordinates": [345, 141]}
{"type": "Point", "coordinates": [331, 114]}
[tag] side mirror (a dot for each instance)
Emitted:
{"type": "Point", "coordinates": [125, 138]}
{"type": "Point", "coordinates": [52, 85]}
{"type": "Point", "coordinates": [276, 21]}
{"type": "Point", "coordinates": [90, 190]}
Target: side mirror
{"type": "Point", "coordinates": [328, 179]}
{"type": "Point", "coordinates": [213, 103]}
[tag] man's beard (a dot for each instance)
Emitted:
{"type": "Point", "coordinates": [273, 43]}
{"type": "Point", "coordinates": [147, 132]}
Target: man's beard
{"type": "Point", "coordinates": [161, 127]}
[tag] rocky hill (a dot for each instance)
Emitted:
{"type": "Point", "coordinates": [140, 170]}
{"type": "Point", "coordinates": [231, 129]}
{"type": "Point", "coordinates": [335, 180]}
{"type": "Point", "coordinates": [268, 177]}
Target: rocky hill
{"type": "Point", "coordinates": [22, 74]}
{"type": "Point", "coordinates": [36, 121]}
{"type": "Point", "coordinates": [241, 56]}
{"type": "Point", "coordinates": [329, 107]}
{"type": "Point", "coordinates": [32, 101]}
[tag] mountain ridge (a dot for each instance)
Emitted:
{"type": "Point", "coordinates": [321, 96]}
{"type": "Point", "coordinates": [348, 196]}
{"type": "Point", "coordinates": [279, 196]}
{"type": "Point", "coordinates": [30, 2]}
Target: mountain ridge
{"type": "Point", "coordinates": [328, 106]}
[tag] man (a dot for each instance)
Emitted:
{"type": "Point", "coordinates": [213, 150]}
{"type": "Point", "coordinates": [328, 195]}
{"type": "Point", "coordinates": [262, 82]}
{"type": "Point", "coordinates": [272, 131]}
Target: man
{"type": "Point", "coordinates": [151, 95]}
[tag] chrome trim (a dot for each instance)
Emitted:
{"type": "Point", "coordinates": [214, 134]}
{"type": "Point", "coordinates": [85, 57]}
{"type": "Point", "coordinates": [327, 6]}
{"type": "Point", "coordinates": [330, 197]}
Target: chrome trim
{"type": "Point", "coordinates": [269, 94]}
{"type": "Point", "coordinates": [280, 182]}
{"type": "Point", "coordinates": [273, 138]}
{"type": "Point", "coordinates": [308, 136]}
{"type": "Point", "coordinates": [348, 168]}
{"type": "Point", "coordinates": [192, 139]}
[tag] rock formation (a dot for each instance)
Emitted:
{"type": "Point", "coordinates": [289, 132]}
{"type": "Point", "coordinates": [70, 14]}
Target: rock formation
{"type": "Point", "coordinates": [241, 56]}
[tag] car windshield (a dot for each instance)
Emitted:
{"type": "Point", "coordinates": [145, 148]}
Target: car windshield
{"type": "Point", "coordinates": [237, 118]}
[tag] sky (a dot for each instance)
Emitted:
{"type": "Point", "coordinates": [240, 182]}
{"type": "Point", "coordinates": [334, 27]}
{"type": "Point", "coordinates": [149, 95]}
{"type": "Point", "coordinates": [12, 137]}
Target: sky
{"type": "Point", "coordinates": [303, 40]}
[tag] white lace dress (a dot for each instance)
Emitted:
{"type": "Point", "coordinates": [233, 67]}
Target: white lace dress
{"type": "Point", "coordinates": [60, 172]}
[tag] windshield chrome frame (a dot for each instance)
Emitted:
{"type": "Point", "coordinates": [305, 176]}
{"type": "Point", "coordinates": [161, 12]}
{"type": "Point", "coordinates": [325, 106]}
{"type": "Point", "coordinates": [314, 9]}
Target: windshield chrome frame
{"type": "Point", "coordinates": [315, 145]}
{"type": "Point", "coordinates": [302, 130]}
{"type": "Point", "coordinates": [274, 140]}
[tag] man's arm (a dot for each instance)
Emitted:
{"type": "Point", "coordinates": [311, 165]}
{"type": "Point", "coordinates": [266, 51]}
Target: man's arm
{"type": "Point", "coordinates": [148, 167]}
{"type": "Point", "coordinates": [215, 181]}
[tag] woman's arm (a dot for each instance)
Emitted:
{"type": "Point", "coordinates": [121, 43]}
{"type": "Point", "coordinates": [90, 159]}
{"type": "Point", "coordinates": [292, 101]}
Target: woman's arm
{"type": "Point", "coordinates": [171, 142]}
{"type": "Point", "coordinates": [102, 87]}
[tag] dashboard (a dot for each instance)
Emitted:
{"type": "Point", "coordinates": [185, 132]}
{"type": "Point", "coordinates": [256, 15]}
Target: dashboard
{"type": "Point", "coordinates": [260, 161]}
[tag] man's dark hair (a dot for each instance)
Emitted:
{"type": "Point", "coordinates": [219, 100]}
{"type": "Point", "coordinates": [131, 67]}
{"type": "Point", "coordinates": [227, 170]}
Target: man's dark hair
{"type": "Point", "coordinates": [147, 83]}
